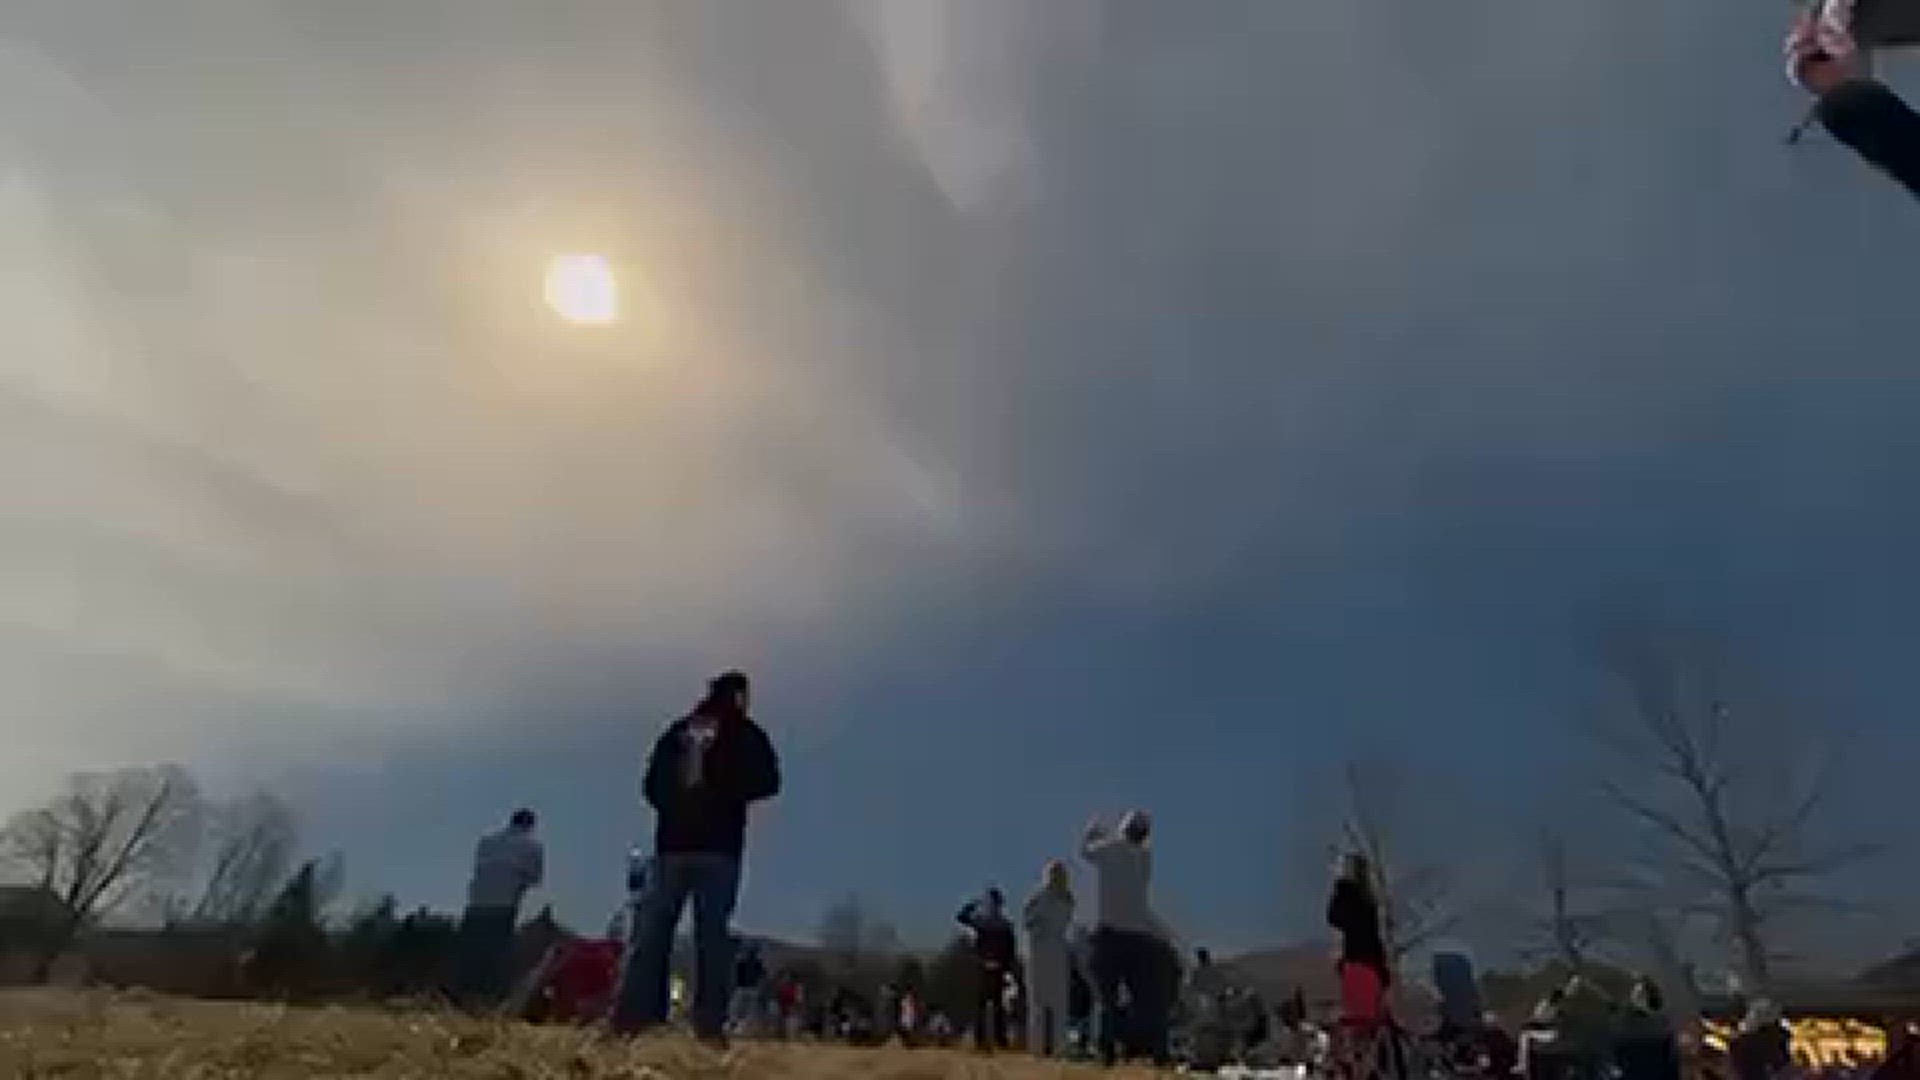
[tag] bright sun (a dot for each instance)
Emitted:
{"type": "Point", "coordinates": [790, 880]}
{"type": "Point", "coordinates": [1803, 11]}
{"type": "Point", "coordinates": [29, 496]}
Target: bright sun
{"type": "Point", "coordinates": [581, 289]}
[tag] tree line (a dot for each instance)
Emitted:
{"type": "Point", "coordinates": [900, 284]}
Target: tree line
{"type": "Point", "coordinates": [221, 878]}
{"type": "Point", "coordinates": [1722, 792]}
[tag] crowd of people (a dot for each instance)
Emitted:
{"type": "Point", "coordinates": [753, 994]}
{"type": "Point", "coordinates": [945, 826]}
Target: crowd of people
{"type": "Point", "coordinates": [1106, 983]}
{"type": "Point", "coordinates": [702, 775]}
{"type": "Point", "coordinates": [1126, 958]}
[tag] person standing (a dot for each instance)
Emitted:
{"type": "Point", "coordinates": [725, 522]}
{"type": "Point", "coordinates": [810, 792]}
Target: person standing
{"type": "Point", "coordinates": [1130, 943]}
{"type": "Point", "coordinates": [1762, 1048]}
{"type": "Point", "coordinates": [1047, 917]}
{"type": "Point", "coordinates": [908, 1022]}
{"type": "Point", "coordinates": [1354, 912]}
{"type": "Point", "coordinates": [1645, 1046]}
{"type": "Point", "coordinates": [749, 982]}
{"type": "Point", "coordinates": [506, 865]}
{"type": "Point", "coordinates": [787, 999]}
{"type": "Point", "coordinates": [704, 772]}
{"type": "Point", "coordinates": [1205, 1009]}
{"type": "Point", "coordinates": [886, 1014]}
{"type": "Point", "coordinates": [996, 955]}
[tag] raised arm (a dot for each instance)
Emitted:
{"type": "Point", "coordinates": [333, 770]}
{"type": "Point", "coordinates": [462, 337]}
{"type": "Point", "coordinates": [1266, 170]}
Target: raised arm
{"type": "Point", "coordinates": [1824, 58]}
{"type": "Point", "coordinates": [1096, 842]}
{"type": "Point", "coordinates": [1872, 121]}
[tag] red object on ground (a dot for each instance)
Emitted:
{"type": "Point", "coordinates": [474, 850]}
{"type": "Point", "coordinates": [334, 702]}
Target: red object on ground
{"type": "Point", "coordinates": [584, 976]}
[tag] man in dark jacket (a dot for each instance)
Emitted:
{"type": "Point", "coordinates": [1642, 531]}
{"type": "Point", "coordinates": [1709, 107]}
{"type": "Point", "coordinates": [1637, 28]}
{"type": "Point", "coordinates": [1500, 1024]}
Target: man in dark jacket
{"type": "Point", "coordinates": [704, 772]}
{"type": "Point", "coordinates": [997, 954]}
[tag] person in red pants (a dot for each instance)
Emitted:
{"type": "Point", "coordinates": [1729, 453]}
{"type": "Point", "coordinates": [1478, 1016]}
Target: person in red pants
{"type": "Point", "coordinates": [1365, 976]}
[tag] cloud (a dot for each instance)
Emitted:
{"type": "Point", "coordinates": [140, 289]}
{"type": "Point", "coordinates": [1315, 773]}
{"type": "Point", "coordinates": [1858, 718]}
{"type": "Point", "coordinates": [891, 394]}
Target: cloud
{"type": "Point", "coordinates": [313, 459]}
{"type": "Point", "coordinates": [959, 79]}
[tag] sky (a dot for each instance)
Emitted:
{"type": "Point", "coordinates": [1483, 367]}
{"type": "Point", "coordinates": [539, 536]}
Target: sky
{"type": "Point", "coordinates": [1057, 407]}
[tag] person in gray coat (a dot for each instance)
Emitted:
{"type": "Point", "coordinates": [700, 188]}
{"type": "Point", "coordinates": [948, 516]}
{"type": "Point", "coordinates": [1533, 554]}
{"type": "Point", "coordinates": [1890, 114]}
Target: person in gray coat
{"type": "Point", "coordinates": [1047, 918]}
{"type": "Point", "coordinates": [506, 864]}
{"type": "Point", "coordinates": [1134, 958]}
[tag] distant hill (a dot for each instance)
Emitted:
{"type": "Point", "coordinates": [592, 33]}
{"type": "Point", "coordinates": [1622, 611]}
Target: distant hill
{"type": "Point", "coordinates": [1277, 972]}
{"type": "Point", "coordinates": [1902, 973]}
{"type": "Point", "coordinates": [1312, 969]}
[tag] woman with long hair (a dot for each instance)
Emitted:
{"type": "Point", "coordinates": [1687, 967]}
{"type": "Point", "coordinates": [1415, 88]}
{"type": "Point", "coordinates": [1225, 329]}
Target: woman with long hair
{"type": "Point", "coordinates": [1354, 911]}
{"type": "Point", "coordinates": [1047, 918]}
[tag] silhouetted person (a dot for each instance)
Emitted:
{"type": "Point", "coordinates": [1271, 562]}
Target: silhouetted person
{"type": "Point", "coordinates": [704, 772]}
{"type": "Point", "coordinates": [1047, 918]}
{"type": "Point", "coordinates": [1762, 1049]}
{"type": "Point", "coordinates": [1903, 1061]}
{"type": "Point", "coordinates": [1131, 950]}
{"type": "Point", "coordinates": [749, 982]}
{"type": "Point", "coordinates": [506, 864]}
{"type": "Point", "coordinates": [1645, 1047]}
{"type": "Point", "coordinates": [1460, 1008]}
{"type": "Point", "coordinates": [995, 955]}
{"type": "Point", "coordinates": [1206, 981]}
{"type": "Point", "coordinates": [1354, 912]}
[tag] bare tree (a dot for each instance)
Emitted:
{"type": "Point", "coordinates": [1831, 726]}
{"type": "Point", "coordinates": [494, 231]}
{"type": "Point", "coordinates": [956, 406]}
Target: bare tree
{"type": "Point", "coordinates": [1732, 813]}
{"type": "Point", "coordinates": [1658, 936]}
{"type": "Point", "coordinates": [859, 944]}
{"type": "Point", "coordinates": [850, 930]}
{"type": "Point", "coordinates": [101, 843]}
{"type": "Point", "coordinates": [252, 842]}
{"type": "Point", "coordinates": [1415, 894]}
{"type": "Point", "coordinates": [1567, 929]}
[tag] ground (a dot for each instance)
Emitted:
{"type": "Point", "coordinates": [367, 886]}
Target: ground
{"type": "Point", "coordinates": [75, 1036]}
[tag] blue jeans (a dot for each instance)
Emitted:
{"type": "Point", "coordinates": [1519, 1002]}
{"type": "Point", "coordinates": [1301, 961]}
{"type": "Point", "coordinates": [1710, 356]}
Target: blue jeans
{"type": "Point", "coordinates": [712, 882]}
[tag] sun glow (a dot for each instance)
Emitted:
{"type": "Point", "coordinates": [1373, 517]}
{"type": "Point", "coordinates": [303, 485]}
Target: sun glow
{"type": "Point", "coordinates": [582, 290]}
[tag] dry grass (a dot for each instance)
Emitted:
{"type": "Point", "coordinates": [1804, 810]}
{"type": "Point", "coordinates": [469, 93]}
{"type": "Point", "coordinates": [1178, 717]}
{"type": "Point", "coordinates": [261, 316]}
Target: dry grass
{"type": "Point", "coordinates": [82, 1035]}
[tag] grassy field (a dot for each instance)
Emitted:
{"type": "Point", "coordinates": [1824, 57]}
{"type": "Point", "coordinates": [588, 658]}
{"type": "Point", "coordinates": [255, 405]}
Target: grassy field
{"type": "Point", "coordinates": [80, 1035]}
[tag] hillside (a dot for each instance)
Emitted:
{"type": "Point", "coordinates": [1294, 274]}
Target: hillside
{"type": "Point", "coordinates": [1277, 972]}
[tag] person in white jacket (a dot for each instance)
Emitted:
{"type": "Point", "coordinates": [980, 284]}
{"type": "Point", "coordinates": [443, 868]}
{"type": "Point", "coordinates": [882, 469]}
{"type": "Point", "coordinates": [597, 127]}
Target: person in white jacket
{"type": "Point", "coordinates": [506, 864]}
{"type": "Point", "coordinates": [1047, 918]}
{"type": "Point", "coordinates": [1134, 952]}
